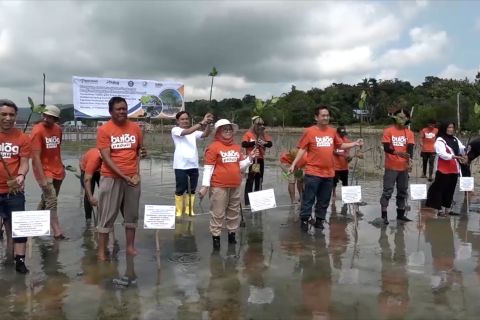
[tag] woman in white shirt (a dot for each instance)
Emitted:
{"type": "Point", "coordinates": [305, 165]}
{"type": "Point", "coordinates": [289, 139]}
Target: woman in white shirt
{"type": "Point", "coordinates": [185, 158]}
{"type": "Point", "coordinates": [450, 153]}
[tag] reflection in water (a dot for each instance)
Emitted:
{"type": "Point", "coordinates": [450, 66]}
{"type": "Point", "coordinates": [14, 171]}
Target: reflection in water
{"type": "Point", "coordinates": [339, 238]}
{"type": "Point", "coordinates": [316, 282]}
{"type": "Point", "coordinates": [223, 292]}
{"type": "Point", "coordinates": [186, 270]}
{"type": "Point", "coordinates": [438, 232]}
{"type": "Point", "coordinates": [393, 299]}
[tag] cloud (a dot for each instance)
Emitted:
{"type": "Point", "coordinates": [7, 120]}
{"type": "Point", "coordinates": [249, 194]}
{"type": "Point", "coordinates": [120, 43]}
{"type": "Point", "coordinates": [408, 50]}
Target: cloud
{"type": "Point", "coordinates": [477, 25]}
{"type": "Point", "coordinates": [258, 47]}
{"type": "Point", "coordinates": [387, 74]}
{"type": "Point", "coordinates": [454, 72]}
{"type": "Point", "coordinates": [426, 46]}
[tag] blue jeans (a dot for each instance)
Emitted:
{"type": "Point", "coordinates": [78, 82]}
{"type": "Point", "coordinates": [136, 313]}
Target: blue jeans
{"type": "Point", "coordinates": [316, 188]}
{"type": "Point", "coordinates": [181, 181]}
{"type": "Point", "coordinates": [9, 203]}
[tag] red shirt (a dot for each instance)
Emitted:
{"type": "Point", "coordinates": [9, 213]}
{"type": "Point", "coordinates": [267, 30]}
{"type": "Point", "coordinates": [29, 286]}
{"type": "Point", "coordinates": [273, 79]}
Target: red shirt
{"type": "Point", "coordinates": [48, 141]}
{"type": "Point", "coordinates": [91, 161]}
{"type": "Point", "coordinates": [398, 140]}
{"type": "Point", "coordinates": [340, 162]}
{"type": "Point", "coordinates": [226, 160]}
{"type": "Point", "coordinates": [249, 136]}
{"type": "Point", "coordinates": [124, 143]}
{"type": "Point", "coordinates": [319, 144]}
{"type": "Point", "coordinates": [14, 145]}
{"type": "Point", "coordinates": [428, 136]}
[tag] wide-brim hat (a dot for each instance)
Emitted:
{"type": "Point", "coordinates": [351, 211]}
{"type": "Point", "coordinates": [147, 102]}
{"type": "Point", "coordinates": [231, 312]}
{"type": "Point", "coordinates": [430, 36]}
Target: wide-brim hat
{"type": "Point", "coordinates": [52, 110]}
{"type": "Point", "coordinates": [223, 122]}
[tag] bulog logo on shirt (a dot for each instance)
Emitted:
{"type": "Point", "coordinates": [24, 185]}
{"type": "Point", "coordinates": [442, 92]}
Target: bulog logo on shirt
{"type": "Point", "coordinates": [429, 135]}
{"type": "Point", "coordinates": [8, 150]}
{"type": "Point", "coordinates": [52, 142]}
{"type": "Point", "coordinates": [324, 141]}
{"type": "Point", "coordinates": [400, 141]}
{"type": "Point", "coordinates": [125, 141]}
{"type": "Point", "coordinates": [229, 156]}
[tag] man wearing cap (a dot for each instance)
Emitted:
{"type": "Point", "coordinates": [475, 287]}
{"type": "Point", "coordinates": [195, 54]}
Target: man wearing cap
{"type": "Point", "coordinates": [14, 155]}
{"type": "Point", "coordinates": [120, 143]}
{"type": "Point", "coordinates": [46, 138]}
{"type": "Point", "coordinates": [398, 142]}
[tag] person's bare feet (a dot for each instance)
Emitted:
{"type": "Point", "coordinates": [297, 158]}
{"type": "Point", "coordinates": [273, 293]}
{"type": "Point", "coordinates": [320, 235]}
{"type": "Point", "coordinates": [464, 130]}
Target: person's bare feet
{"type": "Point", "coordinates": [132, 251]}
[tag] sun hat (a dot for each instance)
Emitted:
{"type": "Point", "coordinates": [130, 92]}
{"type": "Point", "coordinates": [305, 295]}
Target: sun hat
{"type": "Point", "coordinates": [52, 110]}
{"type": "Point", "coordinates": [221, 123]}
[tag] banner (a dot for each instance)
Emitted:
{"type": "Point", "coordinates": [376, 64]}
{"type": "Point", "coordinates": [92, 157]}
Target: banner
{"type": "Point", "coordinates": [145, 98]}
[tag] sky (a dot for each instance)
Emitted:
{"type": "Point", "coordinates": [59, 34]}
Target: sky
{"type": "Point", "coordinates": [258, 47]}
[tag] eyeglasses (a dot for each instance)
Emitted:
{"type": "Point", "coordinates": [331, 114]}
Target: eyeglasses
{"type": "Point", "coordinates": [227, 129]}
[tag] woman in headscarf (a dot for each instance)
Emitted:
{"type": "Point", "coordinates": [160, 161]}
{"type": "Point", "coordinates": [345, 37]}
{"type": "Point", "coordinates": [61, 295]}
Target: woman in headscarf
{"type": "Point", "coordinates": [450, 151]}
{"type": "Point", "coordinates": [222, 176]}
{"type": "Point", "coordinates": [255, 138]}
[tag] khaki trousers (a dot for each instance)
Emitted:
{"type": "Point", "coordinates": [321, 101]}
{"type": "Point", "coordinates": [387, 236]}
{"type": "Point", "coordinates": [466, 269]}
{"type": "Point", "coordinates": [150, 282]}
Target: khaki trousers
{"type": "Point", "coordinates": [49, 199]}
{"type": "Point", "coordinates": [224, 205]}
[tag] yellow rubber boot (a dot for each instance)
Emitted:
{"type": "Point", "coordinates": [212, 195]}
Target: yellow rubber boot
{"type": "Point", "coordinates": [190, 201]}
{"type": "Point", "coordinates": [178, 205]}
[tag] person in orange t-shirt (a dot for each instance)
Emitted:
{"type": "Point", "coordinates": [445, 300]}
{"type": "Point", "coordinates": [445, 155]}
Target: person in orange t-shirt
{"type": "Point", "coordinates": [428, 136]}
{"type": "Point", "coordinates": [255, 137]}
{"type": "Point", "coordinates": [120, 143]}
{"type": "Point", "coordinates": [222, 177]}
{"type": "Point", "coordinates": [14, 155]}
{"type": "Point", "coordinates": [341, 158]}
{"type": "Point", "coordinates": [46, 138]}
{"type": "Point", "coordinates": [90, 164]}
{"type": "Point", "coordinates": [295, 178]}
{"type": "Point", "coordinates": [319, 141]}
{"type": "Point", "coordinates": [398, 142]}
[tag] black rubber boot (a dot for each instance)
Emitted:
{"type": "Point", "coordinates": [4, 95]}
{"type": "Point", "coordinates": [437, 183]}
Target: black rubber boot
{"type": "Point", "coordinates": [20, 264]}
{"type": "Point", "coordinates": [401, 215]}
{"type": "Point", "coordinates": [216, 242]}
{"type": "Point", "coordinates": [304, 224]}
{"type": "Point", "coordinates": [385, 217]}
{"type": "Point", "coordinates": [318, 223]}
{"type": "Point", "coordinates": [231, 238]}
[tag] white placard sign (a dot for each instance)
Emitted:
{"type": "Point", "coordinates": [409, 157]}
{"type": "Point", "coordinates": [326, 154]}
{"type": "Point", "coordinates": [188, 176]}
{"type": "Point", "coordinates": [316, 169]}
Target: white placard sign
{"type": "Point", "coordinates": [30, 223]}
{"type": "Point", "coordinates": [418, 191]}
{"type": "Point", "coordinates": [352, 194]}
{"type": "Point", "coordinates": [262, 200]}
{"type": "Point", "coordinates": [159, 217]}
{"type": "Point", "coordinates": [145, 98]}
{"type": "Point", "coordinates": [466, 183]}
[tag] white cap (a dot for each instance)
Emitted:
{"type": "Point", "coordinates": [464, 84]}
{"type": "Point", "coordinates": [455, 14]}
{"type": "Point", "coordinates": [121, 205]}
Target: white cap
{"type": "Point", "coordinates": [52, 110]}
{"type": "Point", "coordinates": [222, 122]}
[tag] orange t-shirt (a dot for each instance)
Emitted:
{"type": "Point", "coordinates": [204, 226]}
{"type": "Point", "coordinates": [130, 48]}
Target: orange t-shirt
{"type": "Point", "coordinates": [124, 143]}
{"type": "Point", "coordinates": [249, 136]}
{"type": "Point", "coordinates": [284, 158]}
{"type": "Point", "coordinates": [226, 160]}
{"type": "Point", "coordinates": [319, 144]}
{"type": "Point", "coordinates": [340, 162]}
{"type": "Point", "coordinates": [14, 145]}
{"type": "Point", "coordinates": [428, 139]}
{"type": "Point", "coordinates": [398, 139]}
{"type": "Point", "coordinates": [91, 161]}
{"type": "Point", "coordinates": [48, 141]}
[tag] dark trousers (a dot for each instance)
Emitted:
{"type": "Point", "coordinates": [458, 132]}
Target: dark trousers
{"type": "Point", "coordinates": [8, 204]}
{"type": "Point", "coordinates": [390, 179]}
{"type": "Point", "coordinates": [254, 177]}
{"type": "Point", "coordinates": [341, 175]}
{"type": "Point", "coordinates": [428, 158]}
{"type": "Point", "coordinates": [86, 204]}
{"type": "Point", "coordinates": [181, 181]}
{"type": "Point", "coordinates": [316, 188]}
{"type": "Point", "coordinates": [440, 194]}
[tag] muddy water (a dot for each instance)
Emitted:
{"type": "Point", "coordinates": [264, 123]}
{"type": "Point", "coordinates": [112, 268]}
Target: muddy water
{"type": "Point", "coordinates": [428, 268]}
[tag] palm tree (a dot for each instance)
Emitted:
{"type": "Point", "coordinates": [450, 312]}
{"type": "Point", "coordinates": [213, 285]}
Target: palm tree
{"type": "Point", "coordinates": [212, 74]}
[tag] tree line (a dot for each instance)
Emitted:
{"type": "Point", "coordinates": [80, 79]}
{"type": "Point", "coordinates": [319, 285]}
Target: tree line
{"type": "Point", "coordinates": [434, 99]}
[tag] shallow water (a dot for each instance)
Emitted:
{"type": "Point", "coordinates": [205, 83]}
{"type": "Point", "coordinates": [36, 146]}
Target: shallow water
{"type": "Point", "coordinates": [428, 268]}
